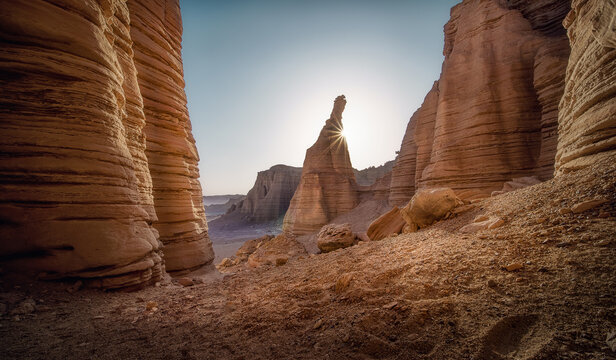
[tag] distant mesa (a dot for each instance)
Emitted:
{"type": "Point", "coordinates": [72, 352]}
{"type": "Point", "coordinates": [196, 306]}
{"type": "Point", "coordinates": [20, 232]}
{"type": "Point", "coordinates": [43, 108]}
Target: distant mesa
{"type": "Point", "coordinates": [267, 201]}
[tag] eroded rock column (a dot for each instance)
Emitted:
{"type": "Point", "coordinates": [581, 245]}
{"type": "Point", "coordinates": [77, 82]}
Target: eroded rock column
{"type": "Point", "coordinates": [156, 29]}
{"type": "Point", "coordinates": [327, 187]}
{"type": "Point", "coordinates": [75, 194]}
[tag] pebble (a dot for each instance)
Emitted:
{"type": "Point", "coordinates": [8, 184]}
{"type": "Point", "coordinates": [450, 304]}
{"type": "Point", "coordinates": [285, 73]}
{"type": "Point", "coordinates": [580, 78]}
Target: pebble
{"type": "Point", "coordinates": [151, 305]}
{"type": "Point", "coordinates": [514, 267]}
{"type": "Point", "coordinates": [587, 205]}
{"type": "Point", "coordinates": [390, 305]}
{"type": "Point", "coordinates": [564, 211]}
{"type": "Point", "coordinates": [186, 281]}
{"type": "Point", "coordinates": [611, 340]}
{"type": "Point", "coordinates": [492, 283]}
{"type": "Point", "coordinates": [318, 324]}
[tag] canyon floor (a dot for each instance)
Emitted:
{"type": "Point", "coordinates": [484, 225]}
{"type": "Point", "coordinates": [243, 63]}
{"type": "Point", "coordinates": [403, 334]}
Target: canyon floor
{"type": "Point", "coordinates": [434, 294]}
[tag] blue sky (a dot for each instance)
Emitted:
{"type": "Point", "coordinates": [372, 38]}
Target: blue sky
{"type": "Point", "coordinates": [261, 78]}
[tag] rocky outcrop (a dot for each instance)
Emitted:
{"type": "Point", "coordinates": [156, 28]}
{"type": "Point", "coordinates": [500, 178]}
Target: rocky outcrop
{"type": "Point", "coordinates": [428, 206]}
{"type": "Point", "coordinates": [587, 118]}
{"type": "Point", "coordinates": [492, 115]}
{"type": "Point", "coordinates": [271, 194]}
{"type": "Point", "coordinates": [77, 191]}
{"type": "Point", "coordinates": [277, 251]}
{"type": "Point", "coordinates": [335, 236]}
{"type": "Point", "coordinates": [327, 187]}
{"type": "Point", "coordinates": [387, 224]}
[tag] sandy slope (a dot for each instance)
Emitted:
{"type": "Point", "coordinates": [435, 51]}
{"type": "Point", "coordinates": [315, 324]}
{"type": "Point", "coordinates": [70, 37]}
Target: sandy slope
{"type": "Point", "coordinates": [435, 294]}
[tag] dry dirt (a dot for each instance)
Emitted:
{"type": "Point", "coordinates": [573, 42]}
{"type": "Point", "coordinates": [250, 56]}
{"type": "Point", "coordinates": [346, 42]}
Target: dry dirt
{"type": "Point", "coordinates": [435, 294]}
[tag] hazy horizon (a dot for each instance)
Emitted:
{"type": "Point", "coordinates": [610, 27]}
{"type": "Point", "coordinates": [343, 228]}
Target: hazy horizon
{"type": "Point", "coordinates": [261, 78]}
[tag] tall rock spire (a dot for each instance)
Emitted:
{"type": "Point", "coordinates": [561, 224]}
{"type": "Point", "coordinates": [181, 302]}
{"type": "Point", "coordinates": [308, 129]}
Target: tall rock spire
{"type": "Point", "coordinates": [327, 187]}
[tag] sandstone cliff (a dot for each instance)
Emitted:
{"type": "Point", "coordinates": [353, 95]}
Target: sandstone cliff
{"type": "Point", "coordinates": [271, 194]}
{"type": "Point", "coordinates": [156, 29]}
{"type": "Point", "coordinates": [492, 115]}
{"type": "Point", "coordinates": [77, 190]}
{"type": "Point", "coordinates": [587, 118]}
{"type": "Point", "coordinates": [327, 187]}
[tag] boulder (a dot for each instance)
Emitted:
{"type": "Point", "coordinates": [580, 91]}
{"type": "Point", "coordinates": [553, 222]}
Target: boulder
{"type": "Point", "coordinates": [276, 251]}
{"type": "Point", "coordinates": [335, 236]}
{"type": "Point", "coordinates": [391, 222]}
{"type": "Point", "coordinates": [429, 205]}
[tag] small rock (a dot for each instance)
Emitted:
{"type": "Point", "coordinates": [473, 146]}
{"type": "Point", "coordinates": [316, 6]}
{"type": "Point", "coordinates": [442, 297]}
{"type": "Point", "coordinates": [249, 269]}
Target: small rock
{"type": "Point", "coordinates": [603, 214]}
{"type": "Point", "coordinates": [318, 324]}
{"type": "Point", "coordinates": [541, 220]}
{"type": "Point", "coordinates": [75, 287]}
{"type": "Point", "coordinates": [343, 283]}
{"type": "Point", "coordinates": [564, 211]}
{"type": "Point", "coordinates": [98, 317]}
{"type": "Point", "coordinates": [27, 306]}
{"type": "Point", "coordinates": [587, 205]}
{"type": "Point", "coordinates": [198, 281]}
{"type": "Point", "coordinates": [496, 224]}
{"type": "Point", "coordinates": [186, 281]}
{"type": "Point", "coordinates": [514, 267]}
{"type": "Point", "coordinates": [346, 337]}
{"type": "Point", "coordinates": [611, 340]}
{"type": "Point", "coordinates": [226, 262]}
{"type": "Point", "coordinates": [390, 306]}
{"type": "Point", "coordinates": [281, 261]}
{"type": "Point", "coordinates": [492, 283]}
{"type": "Point", "coordinates": [151, 305]}
{"type": "Point", "coordinates": [604, 242]}
{"type": "Point", "coordinates": [563, 244]}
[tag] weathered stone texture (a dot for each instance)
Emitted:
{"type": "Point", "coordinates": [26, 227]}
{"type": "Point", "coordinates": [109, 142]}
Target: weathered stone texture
{"type": "Point", "coordinates": [327, 187]}
{"type": "Point", "coordinates": [587, 118]}
{"type": "Point", "coordinates": [492, 115]}
{"type": "Point", "coordinates": [76, 191]}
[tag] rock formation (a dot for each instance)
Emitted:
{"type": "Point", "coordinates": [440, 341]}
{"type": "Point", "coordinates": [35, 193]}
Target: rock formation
{"type": "Point", "coordinates": [372, 174]}
{"type": "Point", "coordinates": [156, 30]}
{"type": "Point", "coordinates": [327, 187]}
{"type": "Point", "coordinates": [271, 194]}
{"type": "Point", "coordinates": [387, 224]}
{"type": "Point", "coordinates": [277, 251]}
{"type": "Point", "coordinates": [335, 236]}
{"type": "Point", "coordinates": [428, 206]}
{"type": "Point", "coordinates": [85, 87]}
{"type": "Point", "coordinates": [587, 118]}
{"type": "Point", "coordinates": [492, 115]}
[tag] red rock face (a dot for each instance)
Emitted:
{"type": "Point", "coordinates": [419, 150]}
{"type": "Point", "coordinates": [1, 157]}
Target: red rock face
{"type": "Point", "coordinates": [492, 115]}
{"type": "Point", "coordinates": [587, 118]}
{"type": "Point", "coordinates": [327, 187]}
{"type": "Point", "coordinates": [156, 30]}
{"type": "Point", "coordinates": [76, 195]}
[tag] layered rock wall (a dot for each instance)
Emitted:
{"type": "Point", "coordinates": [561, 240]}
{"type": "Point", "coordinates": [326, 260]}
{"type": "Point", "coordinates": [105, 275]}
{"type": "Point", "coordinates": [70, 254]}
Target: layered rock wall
{"type": "Point", "coordinates": [156, 29]}
{"type": "Point", "coordinates": [493, 113]}
{"type": "Point", "coordinates": [76, 190]}
{"type": "Point", "coordinates": [271, 194]}
{"type": "Point", "coordinates": [587, 119]}
{"type": "Point", "coordinates": [327, 187]}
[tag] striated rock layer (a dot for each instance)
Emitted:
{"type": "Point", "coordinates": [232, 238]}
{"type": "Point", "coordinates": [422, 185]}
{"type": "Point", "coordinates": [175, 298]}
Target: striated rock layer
{"type": "Point", "coordinates": [76, 191]}
{"type": "Point", "coordinates": [492, 115]}
{"type": "Point", "coordinates": [587, 118]}
{"type": "Point", "coordinates": [327, 187]}
{"type": "Point", "coordinates": [156, 29]}
{"type": "Point", "coordinates": [271, 194]}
